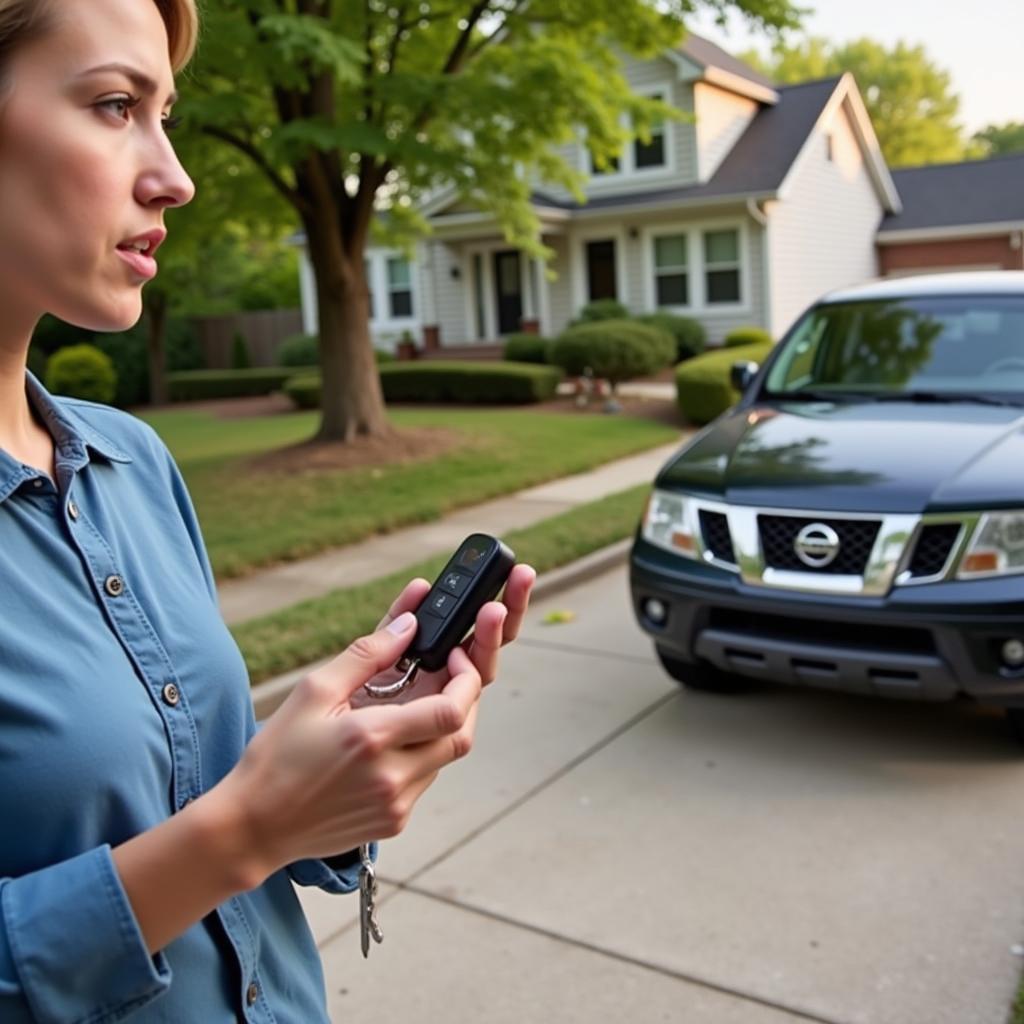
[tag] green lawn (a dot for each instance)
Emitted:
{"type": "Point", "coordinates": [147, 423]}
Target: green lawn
{"type": "Point", "coordinates": [325, 625]}
{"type": "Point", "coordinates": [251, 520]}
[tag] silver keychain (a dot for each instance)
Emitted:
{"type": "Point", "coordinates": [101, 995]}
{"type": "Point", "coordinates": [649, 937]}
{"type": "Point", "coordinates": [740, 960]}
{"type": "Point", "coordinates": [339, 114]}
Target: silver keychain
{"type": "Point", "coordinates": [383, 691]}
{"type": "Point", "coordinates": [368, 927]}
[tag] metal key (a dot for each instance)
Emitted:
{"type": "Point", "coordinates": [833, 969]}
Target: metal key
{"type": "Point", "coordinates": [368, 927]}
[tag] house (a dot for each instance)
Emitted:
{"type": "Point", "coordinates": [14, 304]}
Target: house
{"type": "Point", "coordinates": [743, 214]}
{"type": "Point", "coordinates": [965, 216]}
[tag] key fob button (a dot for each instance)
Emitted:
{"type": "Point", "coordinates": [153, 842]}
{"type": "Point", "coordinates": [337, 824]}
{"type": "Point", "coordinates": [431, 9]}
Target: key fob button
{"type": "Point", "coordinates": [454, 582]}
{"type": "Point", "coordinates": [440, 603]}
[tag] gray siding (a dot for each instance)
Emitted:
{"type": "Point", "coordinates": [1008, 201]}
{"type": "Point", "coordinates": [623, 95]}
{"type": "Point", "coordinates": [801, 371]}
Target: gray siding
{"type": "Point", "coordinates": [822, 232]}
{"type": "Point", "coordinates": [452, 317]}
{"type": "Point", "coordinates": [560, 305]}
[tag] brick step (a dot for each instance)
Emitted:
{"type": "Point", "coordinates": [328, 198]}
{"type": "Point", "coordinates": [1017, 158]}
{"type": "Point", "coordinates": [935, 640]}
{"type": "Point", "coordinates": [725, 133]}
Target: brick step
{"type": "Point", "coordinates": [487, 352]}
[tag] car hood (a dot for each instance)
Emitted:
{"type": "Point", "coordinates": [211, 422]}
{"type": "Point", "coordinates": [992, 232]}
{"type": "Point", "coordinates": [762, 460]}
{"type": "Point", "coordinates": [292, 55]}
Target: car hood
{"type": "Point", "coordinates": [864, 457]}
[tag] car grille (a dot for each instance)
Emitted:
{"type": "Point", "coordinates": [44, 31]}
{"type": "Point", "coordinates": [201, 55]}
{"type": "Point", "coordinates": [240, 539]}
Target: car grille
{"type": "Point", "coordinates": [717, 539]}
{"type": "Point", "coordinates": [856, 539]}
{"type": "Point", "coordinates": [933, 548]}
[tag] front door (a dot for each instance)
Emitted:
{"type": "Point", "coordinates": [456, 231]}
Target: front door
{"type": "Point", "coordinates": [508, 287]}
{"type": "Point", "coordinates": [601, 282]}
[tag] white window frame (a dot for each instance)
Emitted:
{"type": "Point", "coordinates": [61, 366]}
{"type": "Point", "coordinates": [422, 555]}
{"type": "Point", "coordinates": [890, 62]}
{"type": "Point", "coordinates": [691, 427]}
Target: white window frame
{"type": "Point", "coordinates": [694, 230]}
{"type": "Point", "coordinates": [688, 240]}
{"type": "Point", "coordinates": [628, 171]}
{"type": "Point", "coordinates": [578, 261]}
{"type": "Point", "coordinates": [380, 287]}
{"type": "Point", "coordinates": [706, 268]}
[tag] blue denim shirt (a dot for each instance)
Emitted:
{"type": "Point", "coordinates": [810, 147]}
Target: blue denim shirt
{"type": "Point", "coordinates": [122, 697]}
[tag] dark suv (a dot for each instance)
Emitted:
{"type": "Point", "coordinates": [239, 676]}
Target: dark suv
{"type": "Point", "coordinates": [856, 522]}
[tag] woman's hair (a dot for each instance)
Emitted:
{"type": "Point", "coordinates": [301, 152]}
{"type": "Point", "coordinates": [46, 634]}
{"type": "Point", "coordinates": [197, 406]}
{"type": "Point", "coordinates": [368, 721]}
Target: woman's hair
{"type": "Point", "coordinates": [23, 21]}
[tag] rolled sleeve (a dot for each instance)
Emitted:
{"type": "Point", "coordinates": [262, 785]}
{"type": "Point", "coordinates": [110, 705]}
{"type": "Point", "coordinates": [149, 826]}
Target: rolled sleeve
{"type": "Point", "coordinates": [71, 951]}
{"type": "Point", "coordinates": [338, 875]}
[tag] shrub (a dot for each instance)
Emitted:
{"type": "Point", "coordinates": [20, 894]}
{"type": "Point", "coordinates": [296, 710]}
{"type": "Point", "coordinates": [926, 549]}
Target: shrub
{"type": "Point", "coordinates": [747, 336]}
{"type": "Point", "coordinates": [37, 360]}
{"type": "Point", "coordinates": [240, 358]}
{"type": "Point", "coordinates": [82, 371]}
{"type": "Point", "coordinates": [198, 385]}
{"type": "Point", "coordinates": [446, 381]}
{"type": "Point", "coordinates": [614, 349]}
{"type": "Point", "coordinates": [299, 350]}
{"type": "Point", "coordinates": [689, 334]}
{"type": "Point", "coordinates": [527, 348]}
{"type": "Point", "coordinates": [601, 309]}
{"type": "Point", "coordinates": [702, 384]}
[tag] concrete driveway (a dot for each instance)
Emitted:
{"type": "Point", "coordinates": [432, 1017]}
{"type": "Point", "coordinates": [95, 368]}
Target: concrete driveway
{"type": "Point", "coordinates": [618, 850]}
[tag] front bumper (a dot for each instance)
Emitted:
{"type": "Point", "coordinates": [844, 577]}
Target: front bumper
{"type": "Point", "coordinates": [926, 642]}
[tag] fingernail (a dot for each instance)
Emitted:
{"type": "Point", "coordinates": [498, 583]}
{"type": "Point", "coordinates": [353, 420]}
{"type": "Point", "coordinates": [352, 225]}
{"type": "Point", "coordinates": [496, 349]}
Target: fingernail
{"type": "Point", "coordinates": [402, 624]}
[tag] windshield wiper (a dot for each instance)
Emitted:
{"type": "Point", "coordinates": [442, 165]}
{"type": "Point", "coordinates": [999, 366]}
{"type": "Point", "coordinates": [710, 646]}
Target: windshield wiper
{"type": "Point", "coordinates": [809, 395]}
{"type": "Point", "coordinates": [945, 397]}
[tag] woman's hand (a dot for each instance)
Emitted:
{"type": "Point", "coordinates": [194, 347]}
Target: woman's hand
{"type": "Point", "coordinates": [322, 776]}
{"type": "Point", "coordinates": [497, 623]}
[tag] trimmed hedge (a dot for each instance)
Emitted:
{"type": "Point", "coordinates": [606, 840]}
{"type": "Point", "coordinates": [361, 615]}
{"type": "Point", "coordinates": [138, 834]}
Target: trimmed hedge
{"type": "Point", "coordinates": [527, 348]}
{"type": "Point", "coordinates": [747, 336]}
{"type": "Point", "coordinates": [614, 350]}
{"type": "Point", "coordinates": [303, 351]}
{"type": "Point", "coordinates": [199, 385]}
{"type": "Point", "coordinates": [601, 309]}
{"type": "Point", "coordinates": [703, 390]}
{"type": "Point", "coordinates": [689, 334]}
{"type": "Point", "coordinates": [82, 371]}
{"type": "Point", "coordinates": [446, 381]}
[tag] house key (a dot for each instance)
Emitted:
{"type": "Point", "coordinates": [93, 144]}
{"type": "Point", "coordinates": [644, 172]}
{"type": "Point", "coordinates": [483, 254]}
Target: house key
{"type": "Point", "coordinates": [368, 927]}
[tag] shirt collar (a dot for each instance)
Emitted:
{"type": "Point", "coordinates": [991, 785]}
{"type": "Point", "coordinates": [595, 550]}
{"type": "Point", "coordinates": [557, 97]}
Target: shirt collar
{"type": "Point", "coordinates": [71, 433]}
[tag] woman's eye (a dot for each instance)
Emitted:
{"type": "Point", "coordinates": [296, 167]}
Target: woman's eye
{"type": "Point", "coordinates": [127, 102]}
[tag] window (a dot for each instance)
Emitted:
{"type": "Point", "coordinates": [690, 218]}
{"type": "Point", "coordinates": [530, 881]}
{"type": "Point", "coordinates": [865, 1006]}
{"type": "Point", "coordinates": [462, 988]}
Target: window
{"type": "Point", "coordinates": [651, 154]}
{"type": "Point", "coordinates": [721, 266]}
{"type": "Point", "coordinates": [478, 295]}
{"type": "Point", "coordinates": [671, 281]}
{"type": "Point", "coordinates": [399, 287]}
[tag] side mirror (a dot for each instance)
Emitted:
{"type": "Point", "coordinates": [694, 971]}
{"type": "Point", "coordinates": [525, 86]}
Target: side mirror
{"type": "Point", "coordinates": [742, 374]}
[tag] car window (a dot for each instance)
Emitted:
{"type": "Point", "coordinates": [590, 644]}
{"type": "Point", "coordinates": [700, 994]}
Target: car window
{"type": "Point", "coordinates": [945, 343]}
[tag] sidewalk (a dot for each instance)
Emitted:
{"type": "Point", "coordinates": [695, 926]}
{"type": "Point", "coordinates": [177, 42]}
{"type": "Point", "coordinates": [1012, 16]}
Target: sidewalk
{"type": "Point", "coordinates": [285, 585]}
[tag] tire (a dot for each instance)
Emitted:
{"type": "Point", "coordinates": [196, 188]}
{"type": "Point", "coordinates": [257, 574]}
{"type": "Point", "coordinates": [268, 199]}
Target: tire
{"type": "Point", "coordinates": [701, 675]}
{"type": "Point", "coordinates": [1015, 716]}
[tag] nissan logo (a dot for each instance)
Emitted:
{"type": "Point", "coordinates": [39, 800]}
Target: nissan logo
{"type": "Point", "coordinates": [817, 545]}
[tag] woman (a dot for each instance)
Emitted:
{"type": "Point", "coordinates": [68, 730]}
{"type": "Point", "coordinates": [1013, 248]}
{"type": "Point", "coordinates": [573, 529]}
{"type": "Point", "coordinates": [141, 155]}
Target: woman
{"type": "Point", "coordinates": [149, 835]}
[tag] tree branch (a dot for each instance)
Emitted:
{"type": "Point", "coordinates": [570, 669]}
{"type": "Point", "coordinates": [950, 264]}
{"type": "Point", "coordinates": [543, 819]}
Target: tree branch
{"type": "Point", "coordinates": [292, 195]}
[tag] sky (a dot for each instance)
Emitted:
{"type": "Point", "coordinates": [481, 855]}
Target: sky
{"type": "Point", "coordinates": [978, 43]}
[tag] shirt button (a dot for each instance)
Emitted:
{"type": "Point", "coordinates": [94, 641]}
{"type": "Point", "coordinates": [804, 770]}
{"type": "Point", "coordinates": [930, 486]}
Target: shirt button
{"type": "Point", "coordinates": [114, 586]}
{"type": "Point", "coordinates": [171, 694]}
{"type": "Point", "coordinates": [251, 993]}
{"type": "Point", "coordinates": [37, 482]}
{"type": "Point", "coordinates": [72, 510]}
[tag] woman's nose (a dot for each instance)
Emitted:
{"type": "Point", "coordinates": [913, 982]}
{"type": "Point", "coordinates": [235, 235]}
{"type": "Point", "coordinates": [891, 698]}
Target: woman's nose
{"type": "Point", "coordinates": [165, 180]}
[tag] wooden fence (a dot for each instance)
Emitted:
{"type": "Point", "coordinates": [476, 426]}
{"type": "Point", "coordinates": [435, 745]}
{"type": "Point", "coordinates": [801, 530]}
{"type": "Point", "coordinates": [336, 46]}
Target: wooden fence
{"type": "Point", "coordinates": [263, 330]}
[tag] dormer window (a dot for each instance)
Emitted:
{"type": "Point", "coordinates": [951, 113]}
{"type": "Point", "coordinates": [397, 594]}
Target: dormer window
{"type": "Point", "coordinates": [639, 157]}
{"type": "Point", "coordinates": [651, 154]}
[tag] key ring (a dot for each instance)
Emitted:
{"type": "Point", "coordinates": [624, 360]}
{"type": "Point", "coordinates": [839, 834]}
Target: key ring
{"type": "Point", "coordinates": [409, 667]}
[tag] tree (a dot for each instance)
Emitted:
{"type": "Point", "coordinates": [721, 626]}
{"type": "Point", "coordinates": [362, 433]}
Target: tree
{"type": "Point", "coordinates": [347, 107]}
{"type": "Point", "coordinates": [910, 99]}
{"type": "Point", "coordinates": [1001, 139]}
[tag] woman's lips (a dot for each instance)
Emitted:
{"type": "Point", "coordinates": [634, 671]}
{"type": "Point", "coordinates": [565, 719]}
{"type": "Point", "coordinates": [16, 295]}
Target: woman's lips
{"type": "Point", "coordinates": [144, 266]}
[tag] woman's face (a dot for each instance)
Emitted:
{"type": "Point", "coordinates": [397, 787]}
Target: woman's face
{"type": "Point", "coordinates": [81, 170]}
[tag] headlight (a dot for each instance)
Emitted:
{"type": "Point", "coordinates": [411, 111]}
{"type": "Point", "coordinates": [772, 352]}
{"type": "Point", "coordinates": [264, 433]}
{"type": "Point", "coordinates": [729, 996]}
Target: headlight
{"type": "Point", "coordinates": [997, 548]}
{"type": "Point", "coordinates": [669, 523]}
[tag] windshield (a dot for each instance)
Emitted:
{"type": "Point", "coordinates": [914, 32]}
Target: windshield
{"type": "Point", "coordinates": [948, 345]}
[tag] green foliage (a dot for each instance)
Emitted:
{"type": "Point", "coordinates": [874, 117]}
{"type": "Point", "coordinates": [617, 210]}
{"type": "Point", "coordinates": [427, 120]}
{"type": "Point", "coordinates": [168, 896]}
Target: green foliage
{"type": "Point", "coordinates": [527, 348]}
{"type": "Point", "coordinates": [689, 334]}
{"type": "Point", "coordinates": [240, 358]}
{"type": "Point", "coordinates": [601, 309]}
{"type": "Point", "coordinates": [615, 350]}
{"type": "Point", "coordinates": [82, 371]}
{"type": "Point", "coordinates": [1000, 139]}
{"type": "Point", "coordinates": [200, 385]}
{"type": "Point", "coordinates": [703, 390]}
{"type": "Point", "coordinates": [299, 350]}
{"type": "Point", "coordinates": [741, 336]}
{"type": "Point", "coordinates": [447, 381]}
{"type": "Point", "coordinates": [37, 360]}
{"type": "Point", "coordinates": [911, 101]}
{"type": "Point", "coordinates": [51, 334]}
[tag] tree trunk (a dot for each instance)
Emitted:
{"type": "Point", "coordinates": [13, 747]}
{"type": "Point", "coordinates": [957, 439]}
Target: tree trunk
{"type": "Point", "coordinates": [353, 402]}
{"type": "Point", "coordinates": [156, 308]}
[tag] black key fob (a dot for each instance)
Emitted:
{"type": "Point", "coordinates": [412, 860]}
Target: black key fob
{"type": "Point", "coordinates": [474, 575]}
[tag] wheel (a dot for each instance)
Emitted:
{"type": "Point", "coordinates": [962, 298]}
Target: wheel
{"type": "Point", "coordinates": [1015, 716]}
{"type": "Point", "coordinates": [701, 675]}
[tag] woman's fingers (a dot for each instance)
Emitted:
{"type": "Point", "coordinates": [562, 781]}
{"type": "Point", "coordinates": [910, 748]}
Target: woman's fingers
{"type": "Point", "coordinates": [517, 599]}
{"type": "Point", "coordinates": [407, 601]}
{"type": "Point", "coordinates": [488, 636]}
